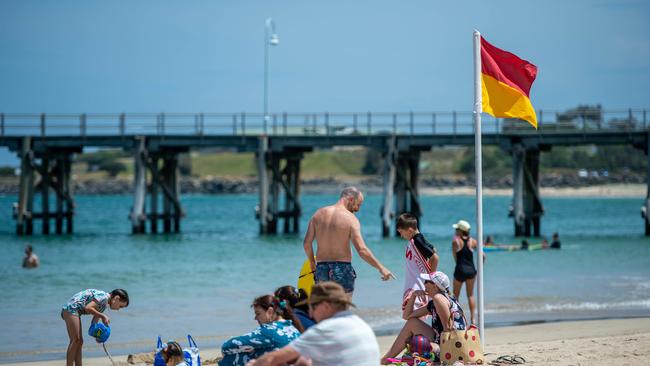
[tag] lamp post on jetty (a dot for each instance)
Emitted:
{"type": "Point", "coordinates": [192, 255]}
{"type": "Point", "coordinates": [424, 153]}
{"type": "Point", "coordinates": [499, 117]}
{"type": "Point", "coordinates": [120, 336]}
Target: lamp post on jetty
{"type": "Point", "coordinates": [270, 38]}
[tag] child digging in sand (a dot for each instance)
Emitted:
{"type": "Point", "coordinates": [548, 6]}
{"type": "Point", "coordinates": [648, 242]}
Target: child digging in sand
{"type": "Point", "coordinates": [88, 302]}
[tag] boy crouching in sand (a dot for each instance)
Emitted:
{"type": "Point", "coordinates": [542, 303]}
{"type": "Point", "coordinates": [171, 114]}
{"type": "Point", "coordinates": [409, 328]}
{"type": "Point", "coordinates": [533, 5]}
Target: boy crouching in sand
{"type": "Point", "coordinates": [421, 257]}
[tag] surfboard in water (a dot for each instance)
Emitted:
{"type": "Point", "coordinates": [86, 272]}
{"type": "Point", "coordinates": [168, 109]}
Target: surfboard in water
{"type": "Point", "coordinates": [490, 248]}
{"type": "Point", "coordinates": [535, 246]}
{"type": "Point", "coordinates": [512, 248]}
{"type": "Point", "coordinates": [306, 277]}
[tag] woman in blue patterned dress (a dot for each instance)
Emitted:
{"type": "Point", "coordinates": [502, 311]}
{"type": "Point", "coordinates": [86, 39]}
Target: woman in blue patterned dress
{"type": "Point", "coordinates": [88, 302]}
{"type": "Point", "coordinates": [278, 327]}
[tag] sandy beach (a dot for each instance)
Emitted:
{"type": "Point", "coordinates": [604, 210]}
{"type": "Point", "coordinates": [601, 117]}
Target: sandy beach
{"type": "Point", "coordinates": [626, 342]}
{"type": "Point", "coordinates": [605, 190]}
{"type": "Point", "coordinates": [621, 190]}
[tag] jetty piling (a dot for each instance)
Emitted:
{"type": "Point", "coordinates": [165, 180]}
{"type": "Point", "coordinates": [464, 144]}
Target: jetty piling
{"type": "Point", "coordinates": [46, 145]}
{"type": "Point", "coordinates": [53, 166]}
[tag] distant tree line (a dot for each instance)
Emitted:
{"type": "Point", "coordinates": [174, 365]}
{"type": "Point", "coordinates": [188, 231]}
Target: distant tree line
{"type": "Point", "coordinates": [111, 162]}
{"type": "Point", "coordinates": [497, 162]}
{"type": "Point", "coordinates": [104, 160]}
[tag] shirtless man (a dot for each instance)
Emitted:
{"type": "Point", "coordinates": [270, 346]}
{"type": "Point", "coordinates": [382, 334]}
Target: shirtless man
{"type": "Point", "coordinates": [334, 227]}
{"type": "Point", "coordinates": [31, 259]}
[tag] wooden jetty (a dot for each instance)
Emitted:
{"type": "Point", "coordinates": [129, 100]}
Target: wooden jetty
{"type": "Point", "coordinates": [46, 145]}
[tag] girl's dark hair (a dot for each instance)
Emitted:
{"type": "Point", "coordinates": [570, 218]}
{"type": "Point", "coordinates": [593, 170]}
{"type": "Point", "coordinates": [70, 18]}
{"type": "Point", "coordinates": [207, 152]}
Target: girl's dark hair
{"type": "Point", "coordinates": [124, 296]}
{"type": "Point", "coordinates": [173, 349]}
{"type": "Point", "coordinates": [288, 293]}
{"type": "Point", "coordinates": [281, 307]}
{"type": "Point", "coordinates": [294, 296]}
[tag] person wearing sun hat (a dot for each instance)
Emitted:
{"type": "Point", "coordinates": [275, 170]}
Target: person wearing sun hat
{"type": "Point", "coordinates": [441, 307]}
{"type": "Point", "coordinates": [338, 338]}
{"type": "Point", "coordinates": [462, 249]}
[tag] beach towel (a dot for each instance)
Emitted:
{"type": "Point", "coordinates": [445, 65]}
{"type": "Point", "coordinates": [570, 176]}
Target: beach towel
{"type": "Point", "coordinates": [413, 359]}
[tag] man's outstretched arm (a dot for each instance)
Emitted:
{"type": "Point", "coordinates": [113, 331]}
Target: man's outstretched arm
{"type": "Point", "coordinates": [365, 253]}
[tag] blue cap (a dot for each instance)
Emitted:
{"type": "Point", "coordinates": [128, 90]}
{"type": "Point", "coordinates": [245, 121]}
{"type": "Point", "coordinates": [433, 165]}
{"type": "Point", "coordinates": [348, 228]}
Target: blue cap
{"type": "Point", "coordinates": [100, 331]}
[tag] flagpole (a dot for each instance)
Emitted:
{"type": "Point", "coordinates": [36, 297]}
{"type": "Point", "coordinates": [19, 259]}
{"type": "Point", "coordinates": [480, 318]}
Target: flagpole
{"type": "Point", "coordinates": [479, 177]}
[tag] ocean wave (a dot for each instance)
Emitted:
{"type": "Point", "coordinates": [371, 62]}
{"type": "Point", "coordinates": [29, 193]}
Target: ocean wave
{"type": "Point", "coordinates": [383, 316]}
{"type": "Point", "coordinates": [587, 305]}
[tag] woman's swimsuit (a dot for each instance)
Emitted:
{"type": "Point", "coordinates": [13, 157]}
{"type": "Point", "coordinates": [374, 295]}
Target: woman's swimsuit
{"type": "Point", "coordinates": [464, 263]}
{"type": "Point", "coordinates": [456, 313]}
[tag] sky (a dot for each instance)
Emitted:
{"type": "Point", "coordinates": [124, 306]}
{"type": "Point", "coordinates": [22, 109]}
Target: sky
{"type": "Point", "coordinates": [91, 56]}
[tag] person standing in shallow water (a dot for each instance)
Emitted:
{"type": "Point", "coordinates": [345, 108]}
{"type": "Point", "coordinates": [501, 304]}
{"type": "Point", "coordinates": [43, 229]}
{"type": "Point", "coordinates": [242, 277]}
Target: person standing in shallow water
{"type": "Point", "coordinates": [31, 259]}
{"type": "Point", "coordinates": [334, 227]}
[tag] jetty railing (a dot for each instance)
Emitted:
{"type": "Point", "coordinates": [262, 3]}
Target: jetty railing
{"type": "Point", "coordinates": [313, 124]}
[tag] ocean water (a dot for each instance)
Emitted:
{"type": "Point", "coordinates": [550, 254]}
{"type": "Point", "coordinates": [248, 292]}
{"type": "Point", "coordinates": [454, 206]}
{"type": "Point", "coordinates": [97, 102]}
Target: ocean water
{"type": "Point", "coordinates": [203, 280]}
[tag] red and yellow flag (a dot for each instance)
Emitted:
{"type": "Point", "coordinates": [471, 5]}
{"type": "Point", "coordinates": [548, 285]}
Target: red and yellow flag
{"type": "Point", "coordinates": [506, 81]}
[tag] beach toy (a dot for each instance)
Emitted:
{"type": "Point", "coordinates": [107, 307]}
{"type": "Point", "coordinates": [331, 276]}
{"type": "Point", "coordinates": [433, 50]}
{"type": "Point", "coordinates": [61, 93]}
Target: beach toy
{"type": "Point", "coordinates": [99, 331]}
{"type": "Point", "coordinates": [407, 359]}
{"type": "Point", "coordinates": [395, 361]}
{"type": "Point", "coordinates": [306, 277]}
{"type": "Point", "coordinates": [420, 344]}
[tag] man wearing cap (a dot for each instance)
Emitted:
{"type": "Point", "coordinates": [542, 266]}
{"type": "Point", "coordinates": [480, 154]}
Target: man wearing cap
{"type": "Point", "coordinates": [338, 338]}
{"type": "Point", "coordinates": [334, 227]}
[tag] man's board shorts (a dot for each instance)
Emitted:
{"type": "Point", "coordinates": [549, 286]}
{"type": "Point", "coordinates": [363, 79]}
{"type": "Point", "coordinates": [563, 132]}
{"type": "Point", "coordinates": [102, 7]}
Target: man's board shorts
{"type": "Point", "coordinates": [339, 272]}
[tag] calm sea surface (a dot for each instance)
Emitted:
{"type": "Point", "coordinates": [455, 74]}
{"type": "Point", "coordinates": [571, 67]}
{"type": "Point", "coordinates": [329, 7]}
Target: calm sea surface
{"type": "Point", "coordinates": [203, 280]}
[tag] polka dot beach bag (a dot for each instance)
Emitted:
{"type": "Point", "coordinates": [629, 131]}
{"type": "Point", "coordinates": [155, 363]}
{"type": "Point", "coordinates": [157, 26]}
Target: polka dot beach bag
{"type": "Point", "coordinates": [461, 345]}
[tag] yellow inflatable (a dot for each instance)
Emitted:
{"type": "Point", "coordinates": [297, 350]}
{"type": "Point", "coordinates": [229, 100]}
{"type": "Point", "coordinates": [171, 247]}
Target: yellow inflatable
{"type": "Point", "coordinates": [306, 277]}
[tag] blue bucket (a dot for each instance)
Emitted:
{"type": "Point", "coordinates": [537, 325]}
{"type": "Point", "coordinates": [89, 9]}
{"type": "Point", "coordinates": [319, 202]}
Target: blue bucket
{"type": "Point", "coordinates": [99, 331]}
